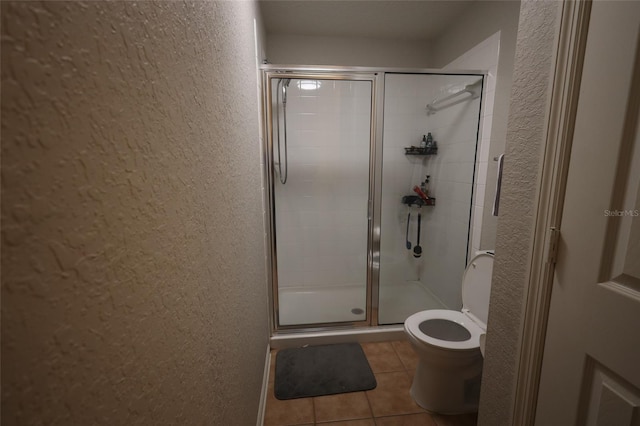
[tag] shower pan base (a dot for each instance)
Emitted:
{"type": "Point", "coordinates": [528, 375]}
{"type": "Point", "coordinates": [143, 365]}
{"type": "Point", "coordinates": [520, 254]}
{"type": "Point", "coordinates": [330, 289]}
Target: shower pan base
{"type": "Point", "coordinates": [400, 301]}
{"type": "Point", "coordinates": [327, 304]}
{"type": "Point", "coordinates": [316, 305]}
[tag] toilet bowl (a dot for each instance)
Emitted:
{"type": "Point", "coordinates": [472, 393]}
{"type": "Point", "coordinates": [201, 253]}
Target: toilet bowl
{"type": "Point", "coordinates": [447, 342]}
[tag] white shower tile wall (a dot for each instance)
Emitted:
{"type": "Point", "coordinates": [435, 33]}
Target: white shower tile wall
{"type": "Point", "coordinates": [445, 227]}
{"type": "Point", "coordinates": [483, 56]}
{"type": "Point", "coordinates": [404, 124]}
{"type": "Point", "coordinates": [321, 218]}
{"type": "Point", "coordinates": [452, 170]}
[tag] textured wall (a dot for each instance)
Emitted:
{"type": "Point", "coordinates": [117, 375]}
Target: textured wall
{"type": "Point", "coordinates": [366, 52]}
{"type": "Point", "coordinates": [133, 281]}
{"type": "Point", "coordinates": [525, 138]}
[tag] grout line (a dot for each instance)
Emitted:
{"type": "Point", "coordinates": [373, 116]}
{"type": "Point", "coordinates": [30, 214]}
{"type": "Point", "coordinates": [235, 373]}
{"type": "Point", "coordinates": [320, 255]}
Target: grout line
{"type": "Point", "coordinates": [396, 415]}
{"type": "Point", "coordinates": [370, 406]}
{"type": "Point", "coordinates": [366, 395]}
{"type": "Point", "coordinates": [404, 366]}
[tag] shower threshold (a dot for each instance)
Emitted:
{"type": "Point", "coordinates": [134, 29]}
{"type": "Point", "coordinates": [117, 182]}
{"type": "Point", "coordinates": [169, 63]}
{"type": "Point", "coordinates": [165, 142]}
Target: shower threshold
{"type": "Point", "coordinates": [283, 340]}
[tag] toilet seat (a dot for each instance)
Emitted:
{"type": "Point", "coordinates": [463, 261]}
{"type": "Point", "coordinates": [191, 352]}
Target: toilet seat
{"type": "Point", "coordinates": [476, 289]}
{"type": "Point", "coordinates": [412, 326]}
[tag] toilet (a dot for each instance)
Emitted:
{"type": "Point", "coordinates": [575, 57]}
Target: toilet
{"type": "Point", "coordinates": [448, 344]}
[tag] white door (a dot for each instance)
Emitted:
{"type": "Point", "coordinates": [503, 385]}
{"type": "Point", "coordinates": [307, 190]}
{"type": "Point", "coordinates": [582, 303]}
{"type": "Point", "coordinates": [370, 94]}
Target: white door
{"type": "Point", "coordinates": [591, 364]}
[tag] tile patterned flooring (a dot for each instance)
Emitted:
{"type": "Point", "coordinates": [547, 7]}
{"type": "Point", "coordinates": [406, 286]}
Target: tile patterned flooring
{"type": "Point", "coordinates": [389, 404]}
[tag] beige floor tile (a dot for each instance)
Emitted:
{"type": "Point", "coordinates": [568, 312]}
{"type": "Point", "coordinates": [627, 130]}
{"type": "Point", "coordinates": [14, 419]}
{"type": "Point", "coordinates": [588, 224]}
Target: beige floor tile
{"type": "Point", "coordinates": [459, 420]}
{"type": "Point", "coordinates": [344, 406]}
{"type": "Point", "coordinates": [422, 419]}
{"type": "Point", "coordinates": [287, 412]}
{"type": "Point", "coordinates": [411, 374]}
{"type": "Point", "coordinates": [391, 396]}
{"type": "Point", "coordinates": [361, 422]}
{"type": "Point", "coordinates": [382, 357]}
{"type": "Point", "coordinates": [272, 366]}
{"type": "Point", "coordinates": [406, 354]}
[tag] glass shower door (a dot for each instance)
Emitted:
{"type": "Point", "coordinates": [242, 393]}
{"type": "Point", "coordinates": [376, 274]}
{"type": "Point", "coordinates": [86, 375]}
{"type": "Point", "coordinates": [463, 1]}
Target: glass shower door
{"type": "Point", "coordinates": [320, 146]}
{"type": "Point", "coordinates": [424, 244]}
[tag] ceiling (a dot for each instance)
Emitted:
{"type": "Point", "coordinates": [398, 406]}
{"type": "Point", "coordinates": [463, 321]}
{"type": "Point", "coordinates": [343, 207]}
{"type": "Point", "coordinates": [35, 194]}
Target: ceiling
{"type": "Point", "coordinates": [388, 19]}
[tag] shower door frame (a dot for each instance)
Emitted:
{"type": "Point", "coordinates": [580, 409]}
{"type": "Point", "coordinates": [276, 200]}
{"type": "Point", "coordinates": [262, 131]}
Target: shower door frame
{"type": "Point", "coordinates": [270, 73]}
{"type": "Point", "coordinates": [341, 73]}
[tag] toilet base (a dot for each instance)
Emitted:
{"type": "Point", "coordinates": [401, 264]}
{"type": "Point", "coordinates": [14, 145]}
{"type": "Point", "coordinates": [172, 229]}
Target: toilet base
{"type": "Point", "coordinates": [447, 391]}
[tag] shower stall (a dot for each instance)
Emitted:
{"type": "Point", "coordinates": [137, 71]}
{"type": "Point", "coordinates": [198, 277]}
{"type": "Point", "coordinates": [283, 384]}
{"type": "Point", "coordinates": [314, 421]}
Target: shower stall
{"type": "Point", "coordinates": [369, 178]}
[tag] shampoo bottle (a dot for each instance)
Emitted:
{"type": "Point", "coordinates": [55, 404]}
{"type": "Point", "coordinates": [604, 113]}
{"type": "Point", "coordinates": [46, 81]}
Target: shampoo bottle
{"type": "Point", "coordinates": [423, 143]}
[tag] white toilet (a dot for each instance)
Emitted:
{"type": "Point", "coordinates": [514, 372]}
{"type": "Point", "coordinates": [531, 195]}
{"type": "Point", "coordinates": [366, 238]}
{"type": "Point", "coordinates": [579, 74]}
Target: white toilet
{"type": "Point", "coordinates": [447, 342]}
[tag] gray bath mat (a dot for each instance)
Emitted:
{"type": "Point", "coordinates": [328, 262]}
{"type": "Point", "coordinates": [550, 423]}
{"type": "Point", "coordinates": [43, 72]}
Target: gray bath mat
{"type": "Point", "coordinates": [322, 370]}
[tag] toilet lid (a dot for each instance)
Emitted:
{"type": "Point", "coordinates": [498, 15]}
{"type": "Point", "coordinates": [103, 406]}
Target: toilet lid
{"type": "Point", "coordinates": [476, 286]}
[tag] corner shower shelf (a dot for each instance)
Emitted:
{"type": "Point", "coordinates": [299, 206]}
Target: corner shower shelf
{"type": "Point", "coordinates": [414, 200]}
{"type": "Point", "coordinates": [416, 150]}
